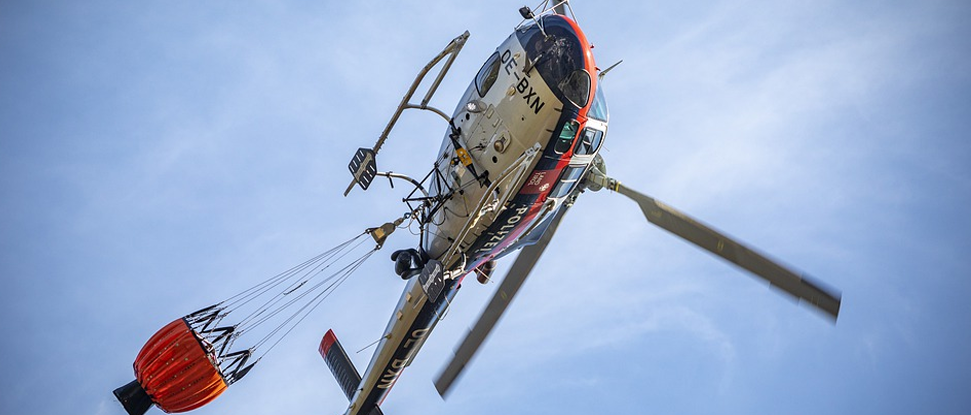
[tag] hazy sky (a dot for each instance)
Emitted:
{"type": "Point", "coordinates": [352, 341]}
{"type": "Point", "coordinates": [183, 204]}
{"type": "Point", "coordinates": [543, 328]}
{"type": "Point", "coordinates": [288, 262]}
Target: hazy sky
{"type": "Point", "coordinates": [158, 156]}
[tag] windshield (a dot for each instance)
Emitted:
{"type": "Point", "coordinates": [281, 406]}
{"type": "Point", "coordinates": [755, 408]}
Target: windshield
{"type": "Point", "coordinates": [599, 108]}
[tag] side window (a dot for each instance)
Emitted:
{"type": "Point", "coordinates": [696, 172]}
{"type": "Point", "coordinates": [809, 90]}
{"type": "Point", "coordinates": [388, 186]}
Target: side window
{"type": "Point", "coordinates": [589, 142]}
{"type": "Point", "coordinates": [568, 181]}
{"type": "Point", "coordinates": [487, 75]}
{"type": "Point", "coordinates": [565, 139]}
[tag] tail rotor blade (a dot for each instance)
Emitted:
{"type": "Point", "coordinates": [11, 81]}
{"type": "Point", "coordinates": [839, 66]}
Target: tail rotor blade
{"type": "Point", "coordinates": [497, 305]}
{"type": "Point", "coordinates": [688, 228]}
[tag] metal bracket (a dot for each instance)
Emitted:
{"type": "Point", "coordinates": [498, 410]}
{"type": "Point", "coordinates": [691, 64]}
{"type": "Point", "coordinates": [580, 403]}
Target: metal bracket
{"type": "Point", "coordinates": [557, 7]}
{"type": "Point", "coordinates": [381, 233]}
{"type": "Point", "coordinates": [451, 51]}
{"type": "Point", "coordinates": [513, 174]}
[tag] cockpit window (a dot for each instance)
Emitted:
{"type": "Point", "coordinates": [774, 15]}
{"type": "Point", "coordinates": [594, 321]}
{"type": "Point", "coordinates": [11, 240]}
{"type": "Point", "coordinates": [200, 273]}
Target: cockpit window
{"type": "Point", "coordinates": [599, 108]}
{"type": "Point", "coordinates": [589, 142]}
{"type": "Point", "coordinates": [568, 181]}
{"type": "Point", "coordinates": [487, 75]}
{"type": "Point", "coordinates": [576, 87]}
{"type": "Point", "coordinates": [565, 139]}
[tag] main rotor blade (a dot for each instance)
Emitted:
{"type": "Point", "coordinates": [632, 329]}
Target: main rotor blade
{"type": "Point", "coordinates": [717, 243]}
{"type": "Point", "coordinates": [500, 300]}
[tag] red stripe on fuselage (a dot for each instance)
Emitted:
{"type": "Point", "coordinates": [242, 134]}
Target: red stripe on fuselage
{"type": "Point", "coordinates": [541, 181]}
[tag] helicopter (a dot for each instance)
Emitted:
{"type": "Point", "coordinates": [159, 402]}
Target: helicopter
{"type": "Point", "coordinates": [521, 146]}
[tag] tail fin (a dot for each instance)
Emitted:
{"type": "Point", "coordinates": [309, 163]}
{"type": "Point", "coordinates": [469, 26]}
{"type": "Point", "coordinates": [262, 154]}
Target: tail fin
{"type": "Point", "coordinates": [342, 367]}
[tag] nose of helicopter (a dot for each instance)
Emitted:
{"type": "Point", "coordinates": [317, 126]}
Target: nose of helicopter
{"type": "Point", "coordinates": [560, 52]}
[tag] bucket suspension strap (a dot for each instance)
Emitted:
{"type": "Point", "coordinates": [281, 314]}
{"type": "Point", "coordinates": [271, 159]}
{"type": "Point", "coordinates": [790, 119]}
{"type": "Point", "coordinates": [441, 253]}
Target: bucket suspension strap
{"type": "Point", "coordinates": [277, 305]}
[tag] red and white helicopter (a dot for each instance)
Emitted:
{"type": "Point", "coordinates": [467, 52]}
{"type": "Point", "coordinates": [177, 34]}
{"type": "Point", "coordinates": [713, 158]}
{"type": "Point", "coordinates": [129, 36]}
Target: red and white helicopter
{"type": "Point", "coordinates": [520, 147]}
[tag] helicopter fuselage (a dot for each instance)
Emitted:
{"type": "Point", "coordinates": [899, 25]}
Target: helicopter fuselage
{"type": "Point", "coordinates": [522, 136]}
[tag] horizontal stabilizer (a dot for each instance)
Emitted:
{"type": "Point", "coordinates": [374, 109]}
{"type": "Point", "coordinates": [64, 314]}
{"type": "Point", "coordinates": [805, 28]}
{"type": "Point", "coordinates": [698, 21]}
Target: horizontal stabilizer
{"type": "Point", "coordinates": [339, 364]}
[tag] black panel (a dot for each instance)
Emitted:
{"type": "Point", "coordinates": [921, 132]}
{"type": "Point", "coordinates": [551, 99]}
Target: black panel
{"type": "Point", "coordinates": [134, 398]}
{"type": "Point", "coordinates": [363, 167]}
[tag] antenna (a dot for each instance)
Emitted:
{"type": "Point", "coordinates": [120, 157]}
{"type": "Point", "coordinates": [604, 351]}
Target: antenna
{"type": "Point", "coordinates": [603, 73]}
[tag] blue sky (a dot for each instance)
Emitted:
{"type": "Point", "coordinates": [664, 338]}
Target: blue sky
{"type": "Point", "coordinates": [156, 157]}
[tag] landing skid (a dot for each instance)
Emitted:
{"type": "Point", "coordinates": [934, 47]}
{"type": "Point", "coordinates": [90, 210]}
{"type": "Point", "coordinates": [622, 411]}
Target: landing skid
{"type": "Point", "coordinates": [363, 166]}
